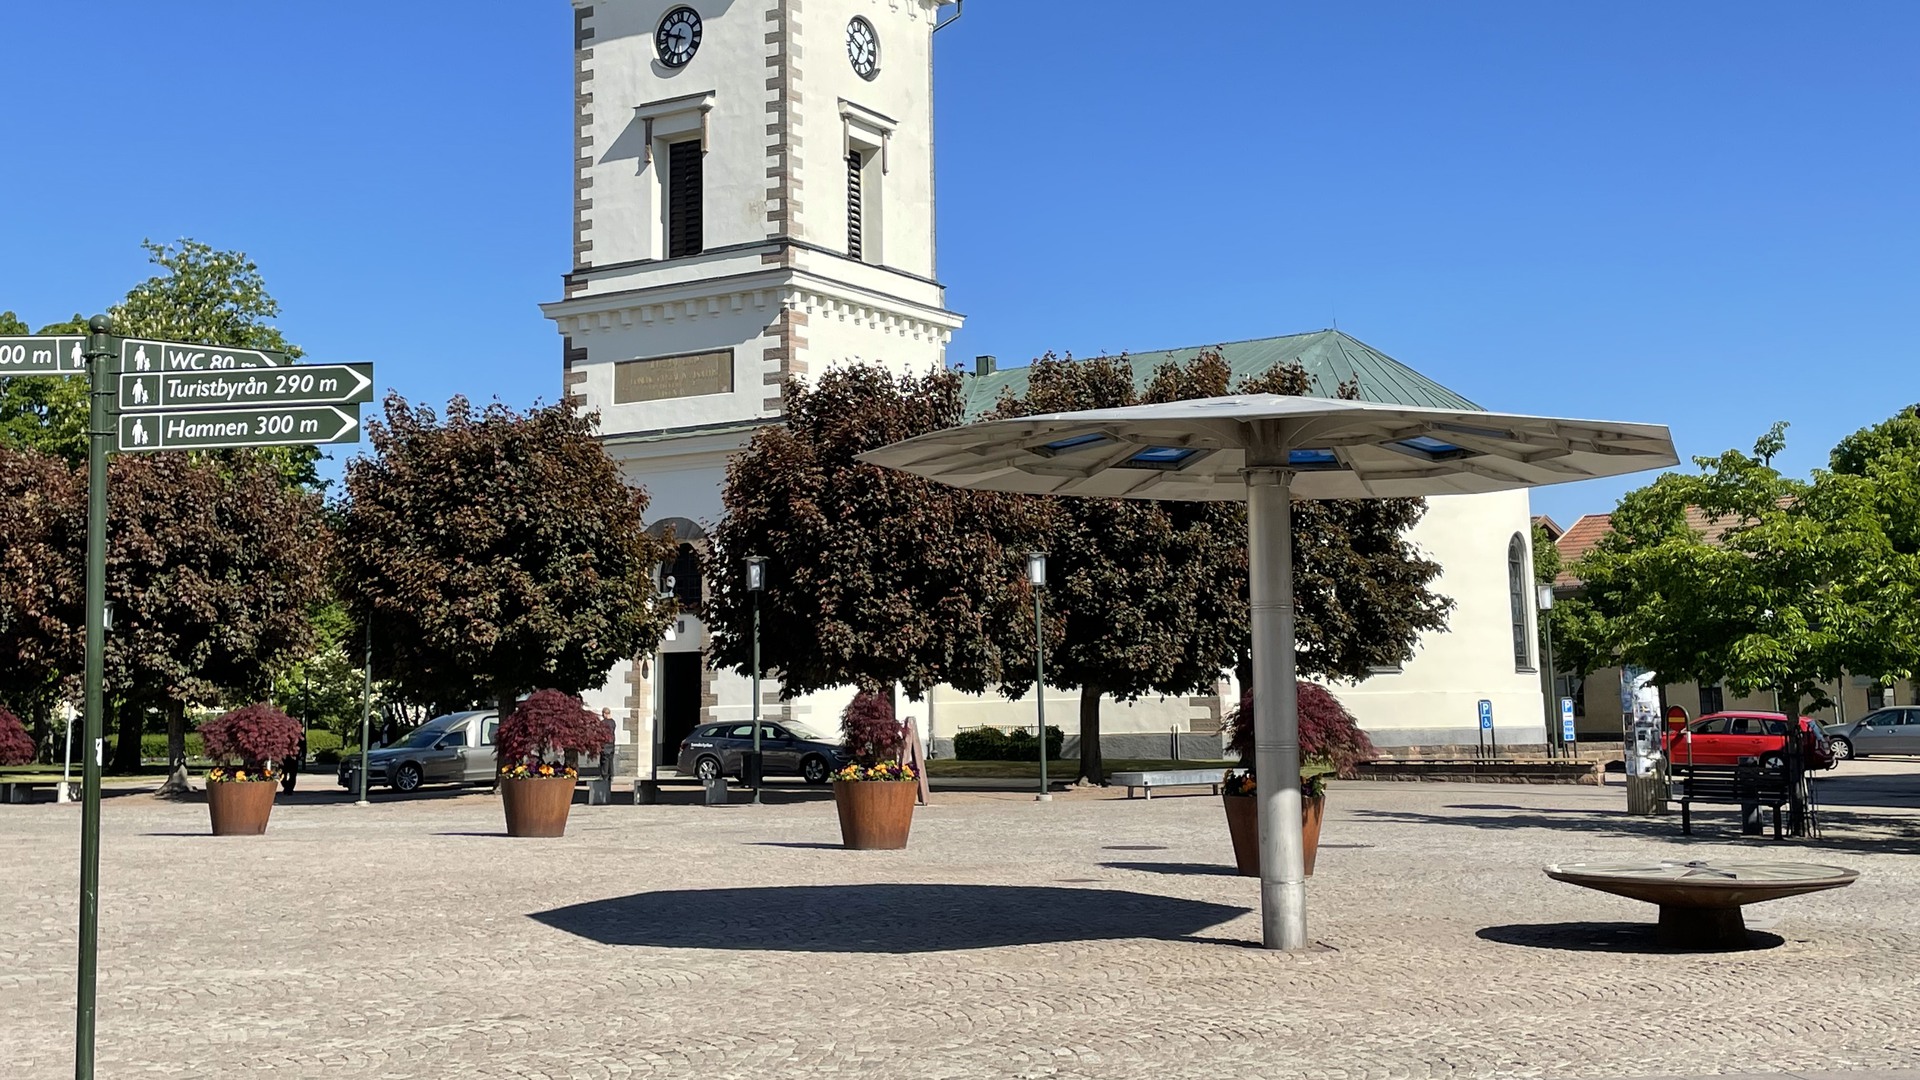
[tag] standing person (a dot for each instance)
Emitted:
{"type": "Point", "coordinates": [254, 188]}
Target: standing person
{"type": "Point", "coordinates": [290, 768]}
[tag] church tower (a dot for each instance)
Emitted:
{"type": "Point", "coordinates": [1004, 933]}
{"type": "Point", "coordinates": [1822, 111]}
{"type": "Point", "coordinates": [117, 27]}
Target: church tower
{"type": "Point", "coordinates": [753, 200]}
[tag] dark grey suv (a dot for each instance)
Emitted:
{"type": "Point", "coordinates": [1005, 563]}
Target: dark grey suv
{"type": "Point", "coordinates": [788, 749]}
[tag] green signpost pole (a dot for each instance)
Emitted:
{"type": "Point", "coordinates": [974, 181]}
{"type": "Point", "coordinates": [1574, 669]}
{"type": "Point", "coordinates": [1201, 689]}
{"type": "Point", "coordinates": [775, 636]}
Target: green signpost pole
{"type": "Point", "coordinates": [100, 433]}
{"type": "Point", "coordinates": [366, 713]}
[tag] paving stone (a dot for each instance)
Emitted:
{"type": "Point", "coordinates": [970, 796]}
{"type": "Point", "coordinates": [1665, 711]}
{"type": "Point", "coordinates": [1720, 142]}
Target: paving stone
{"type": "Point", "coordinates": [1087, 937]}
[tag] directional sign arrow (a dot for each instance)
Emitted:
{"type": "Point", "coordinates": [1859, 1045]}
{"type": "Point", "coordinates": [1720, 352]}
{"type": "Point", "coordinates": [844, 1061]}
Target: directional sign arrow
{"type": "Point", "coordinates": [297, 384]}
{"type": "Point", "coordinates": [139, 355]}
{"type": "Point", "coordinates": [214, 429]}
{"type": "Point", "coordinates": [43, 355]}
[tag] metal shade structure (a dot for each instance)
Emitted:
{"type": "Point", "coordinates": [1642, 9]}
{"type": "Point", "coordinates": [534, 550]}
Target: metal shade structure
{"type": "Point", "coordinates": [1269, 449]}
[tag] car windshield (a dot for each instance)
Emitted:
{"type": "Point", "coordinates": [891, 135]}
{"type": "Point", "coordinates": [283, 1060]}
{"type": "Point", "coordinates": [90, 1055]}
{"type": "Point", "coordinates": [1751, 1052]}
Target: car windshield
{"type": "Point", "coordinates": [423, 736]}
{"type": "Point", "coordinates": [802, 731]}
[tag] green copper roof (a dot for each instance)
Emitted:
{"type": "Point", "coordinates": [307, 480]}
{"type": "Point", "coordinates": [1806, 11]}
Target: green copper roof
{"type": "Point", "coordinates": [1329, 357]}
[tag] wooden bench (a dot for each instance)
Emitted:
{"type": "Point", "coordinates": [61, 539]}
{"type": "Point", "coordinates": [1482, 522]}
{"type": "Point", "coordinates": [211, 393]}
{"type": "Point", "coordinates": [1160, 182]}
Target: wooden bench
{"type": "Point", "coordinates": [1168, 778]}
{"type": "Point", "coordinates": [1740, 785]}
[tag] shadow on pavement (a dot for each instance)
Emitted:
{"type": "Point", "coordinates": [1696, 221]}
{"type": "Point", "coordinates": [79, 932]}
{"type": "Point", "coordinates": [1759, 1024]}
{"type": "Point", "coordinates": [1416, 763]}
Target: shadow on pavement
{"type": "Point", "coordinates": [1609, 937]}
{"type": "Point", "coordinates": [884, 918]}
{"type": "Point", "coordinates": [1841, 830]}
{"type": "Point", "coordinates": [1174, 868]}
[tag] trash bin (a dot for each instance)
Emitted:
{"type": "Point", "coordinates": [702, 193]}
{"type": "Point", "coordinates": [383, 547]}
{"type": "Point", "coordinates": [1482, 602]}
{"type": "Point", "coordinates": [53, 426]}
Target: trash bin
{"type": "Point", "coordinates": [750, 770]}
{"type": "Point", "coordinates": [717, 791]}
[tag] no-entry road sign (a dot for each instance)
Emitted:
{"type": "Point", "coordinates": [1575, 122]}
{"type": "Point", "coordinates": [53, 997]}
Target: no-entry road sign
{"type": "Point", "coordinates": [43, 355]}
{"type": "Point", "coordinates": [297, 384]}
{"type": "Point", "coordinates": [215, 429]}
{"type": "Point", "coordinates": [137, 355]}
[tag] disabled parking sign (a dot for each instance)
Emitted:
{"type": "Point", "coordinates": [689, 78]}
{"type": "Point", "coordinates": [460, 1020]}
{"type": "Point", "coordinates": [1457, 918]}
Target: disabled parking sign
{"type": "Point", "coordinates": [1486, 715]}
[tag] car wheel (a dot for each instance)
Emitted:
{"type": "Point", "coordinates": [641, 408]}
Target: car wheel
{"type": "Point", "coordinates": [1842, 748]}
{"type": "Point", "coordinates": [814, 770]}
{"type": "Point", "coordinates": [707, 769]}
{"type": "Point", "coordinates": [407, 778]}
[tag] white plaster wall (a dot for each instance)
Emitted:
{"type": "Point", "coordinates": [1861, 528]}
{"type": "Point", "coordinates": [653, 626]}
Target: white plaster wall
{"type": "Point", "coordinates": [1435, 699]}
{"type": "Point", "coordinates": [745, 331]}
{"type": "Point", "coordinates": [902, 91]}
{"type": "Point", "coordinates": [686, 487]}
{"type": "Point", "coordinates": [957, 710]}
{"type": "Point", "coordinates": [731, 63]}
{"type": "Point", "coordinates": [835, 337]}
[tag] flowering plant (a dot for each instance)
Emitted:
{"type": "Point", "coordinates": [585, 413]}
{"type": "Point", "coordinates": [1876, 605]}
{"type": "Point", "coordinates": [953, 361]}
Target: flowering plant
{"type": "Point", "coordinates": [520, 770]}
{"type": "Point", "coordinates": [1238, 783]}
{"type": "Point", "coordinates": [1313, 781]}
{"type": "Point", "coordinates": [1331, 740]}
{"type": "Point", "coordinates": [241, 775]}
{"type": "Point", "coordinates": [254, 738]}
{"type": "Point", "coordinates": [550, 725]}
{"type": "Point", "coordinates": [16, 746]}
{"type": "Point", "coordinates": [885, 770]}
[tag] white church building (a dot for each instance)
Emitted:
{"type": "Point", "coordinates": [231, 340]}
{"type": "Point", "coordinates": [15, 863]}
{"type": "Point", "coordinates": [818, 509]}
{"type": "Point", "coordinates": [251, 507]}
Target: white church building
{"type": "Point", "coordinates": [754, 199]}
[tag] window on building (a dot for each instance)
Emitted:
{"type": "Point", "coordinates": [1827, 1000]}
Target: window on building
{"type": "Point", "coordinates": [684, 198]}
{"type": "Point", "coordinates": [685, 572]}
{"type": "Point", "coordinates": [1712, 699]}
{"type": "Point", "coordinates": [1876, 697]}
{"type": "Point", "coordinates": [1517, 590]}
{"type": "Point", "coordinates": [856, 206]}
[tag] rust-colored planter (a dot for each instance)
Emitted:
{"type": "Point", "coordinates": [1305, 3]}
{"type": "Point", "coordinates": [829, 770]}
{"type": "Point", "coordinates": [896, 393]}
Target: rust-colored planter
{"type": "Point", "coordinates": [537, 806]}
{"type": "Point", "coordinates": [875, 815]}
{"type": "Point", "coordinates": [1243, 823]}
{"type": "Point", "coordinates": [240, 808]}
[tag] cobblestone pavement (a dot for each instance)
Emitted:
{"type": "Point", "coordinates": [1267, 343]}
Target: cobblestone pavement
{"type": "Point", "coordinates": [1090, 937]}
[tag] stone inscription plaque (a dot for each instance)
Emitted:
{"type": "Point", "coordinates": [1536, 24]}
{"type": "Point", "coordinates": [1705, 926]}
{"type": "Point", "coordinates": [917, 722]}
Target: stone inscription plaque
{"type": "Point", "coordinates": [665, 377]}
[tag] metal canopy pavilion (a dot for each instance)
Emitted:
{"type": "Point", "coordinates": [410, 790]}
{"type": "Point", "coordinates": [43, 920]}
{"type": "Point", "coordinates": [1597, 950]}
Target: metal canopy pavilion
{"type": "Point", "coordinates": [1269, 449]}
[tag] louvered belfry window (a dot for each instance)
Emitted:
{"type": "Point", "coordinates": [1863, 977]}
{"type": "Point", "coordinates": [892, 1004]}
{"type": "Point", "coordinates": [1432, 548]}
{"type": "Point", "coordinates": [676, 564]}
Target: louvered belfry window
{"type": "Point", "coordinates": [683, 199]}
{"type": "Point", "coordinates": [855, 207]}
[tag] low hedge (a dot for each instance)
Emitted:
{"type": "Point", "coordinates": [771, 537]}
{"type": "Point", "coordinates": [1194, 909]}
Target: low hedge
{"type": "Point", "coordinates": [993, 744]}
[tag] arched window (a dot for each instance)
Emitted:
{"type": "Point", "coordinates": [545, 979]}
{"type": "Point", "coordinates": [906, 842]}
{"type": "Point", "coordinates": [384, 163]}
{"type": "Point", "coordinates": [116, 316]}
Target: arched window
{"type": "Point", "coordinates": [685, 571]}
{"type": "Point", "coordinates": [1517, 600]}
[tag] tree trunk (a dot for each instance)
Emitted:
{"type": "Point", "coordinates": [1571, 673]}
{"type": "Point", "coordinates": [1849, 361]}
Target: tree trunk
{"type": "Point", "coordinates": [508, 699]}
{"type": "Point", "coordinates": [126, 749]}
{"type": "Point", "coordinates": [176, 750]}
{"type": "Point", "coordinates": [1092, 769]}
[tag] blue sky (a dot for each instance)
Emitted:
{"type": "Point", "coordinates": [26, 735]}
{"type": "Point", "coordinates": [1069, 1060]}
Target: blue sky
{"type": "Point", "coordinates": [1701, 214]}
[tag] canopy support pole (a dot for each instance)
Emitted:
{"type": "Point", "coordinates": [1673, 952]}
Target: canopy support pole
{"type": "Point", "coordinates": [1276, 709]}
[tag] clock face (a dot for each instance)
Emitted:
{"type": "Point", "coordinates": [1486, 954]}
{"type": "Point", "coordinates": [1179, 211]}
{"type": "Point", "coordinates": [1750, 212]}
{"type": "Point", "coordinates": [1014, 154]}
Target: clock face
{"type": "Point", "coordinates": [863, 48]}
{"type": "Point", "coordinates": [678, 37]}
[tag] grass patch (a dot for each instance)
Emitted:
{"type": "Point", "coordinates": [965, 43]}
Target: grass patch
{"type": "Point", "coordinates": [1030, 770]}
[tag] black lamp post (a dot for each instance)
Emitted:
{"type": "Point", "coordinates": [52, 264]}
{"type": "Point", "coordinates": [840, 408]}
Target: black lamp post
{"type": "Point", "coordinates": [1037, 577]}
{"type": "Point", "coordinates": [756, 584]}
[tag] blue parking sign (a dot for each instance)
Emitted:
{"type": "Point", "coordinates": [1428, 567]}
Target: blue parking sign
{"type": "Point", "coordinates": [1486, 715]}
{"type": "Point", "coordinates": [1566, 720]}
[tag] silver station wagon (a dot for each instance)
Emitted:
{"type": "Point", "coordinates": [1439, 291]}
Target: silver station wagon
{"type": "Point", "coordinates": [453, 749]}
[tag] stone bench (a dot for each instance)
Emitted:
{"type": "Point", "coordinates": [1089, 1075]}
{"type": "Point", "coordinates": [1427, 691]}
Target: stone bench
{"type": "Point", "coordinates": [21, 790]}
{"type": "Point", "coordinates": [1148, 780]}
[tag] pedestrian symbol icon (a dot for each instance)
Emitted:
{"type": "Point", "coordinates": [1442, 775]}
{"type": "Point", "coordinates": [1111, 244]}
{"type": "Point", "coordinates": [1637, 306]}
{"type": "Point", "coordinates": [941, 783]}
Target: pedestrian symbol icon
{"type": "Point", "coordinates": [78, 357]}
{"type": "Point", "coordinates": [140, 391]}
{"type": "Point", "coordinates": [140, 361]}
{"type": "Point", "coordinates": [139, 433]}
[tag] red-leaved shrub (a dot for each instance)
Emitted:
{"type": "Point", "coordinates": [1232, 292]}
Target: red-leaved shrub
{"type": "Point", "coordinates": [16, 746]}
{"type": "Point", "coordinates": [869, 731]}
{"type": "Point", "coordinates": [1328, 732]}
{"type": "Point", "coordinates": [549, 725]}
{"type": "Point", "coordinates": [255, 737]}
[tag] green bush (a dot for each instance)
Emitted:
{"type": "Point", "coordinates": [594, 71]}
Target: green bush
{"type": "Point", "coordinates": [323, 742]}
{"type": "Point", "coordinates": [992, 744]}
{"type": "Point", "coordinates": [154, 747]}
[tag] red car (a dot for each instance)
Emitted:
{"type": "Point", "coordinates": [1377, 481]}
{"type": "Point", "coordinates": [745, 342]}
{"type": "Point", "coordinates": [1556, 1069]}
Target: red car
{"type": "Point", "coordinates": [1727, 738]}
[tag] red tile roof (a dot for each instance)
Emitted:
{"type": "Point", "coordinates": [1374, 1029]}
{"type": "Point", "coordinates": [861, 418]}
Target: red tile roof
{"type": "Point", "coordinates": [1587, 531]}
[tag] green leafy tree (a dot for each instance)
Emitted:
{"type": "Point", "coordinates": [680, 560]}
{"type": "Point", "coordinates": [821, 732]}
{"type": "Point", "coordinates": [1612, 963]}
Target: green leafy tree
{"type": "Point", "coordinates": [42, 541]}
{"type": "Point", "coordinates": [1802, 583]}
{"type": "Point", "coordinates": [210, 574]}
{"type": "Point", "coordinates": [875, 577]}
{"type": "Point", "coordinates": [201, 295]}
{"type": "Point", "coordinates": [45, 413]}
{"type": "Point", "coordinates": [1152, 596]}
{"type": "Point", "coordinates": [1547, 563]}
{"type": "Point", "coordinates": [494, 552]}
